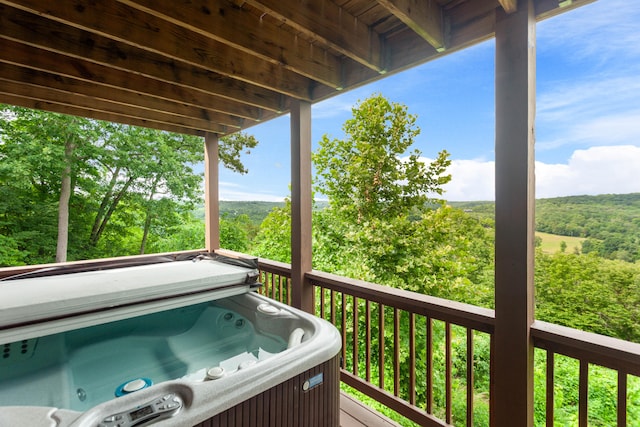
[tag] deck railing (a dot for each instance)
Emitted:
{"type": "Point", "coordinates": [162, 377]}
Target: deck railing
{"type": "Point", "coordinates": [442, 384]}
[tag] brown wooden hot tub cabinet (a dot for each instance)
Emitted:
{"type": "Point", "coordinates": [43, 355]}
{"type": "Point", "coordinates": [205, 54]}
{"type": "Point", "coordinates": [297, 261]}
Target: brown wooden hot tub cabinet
{"type": "Point", "coordinates": [288, 405]}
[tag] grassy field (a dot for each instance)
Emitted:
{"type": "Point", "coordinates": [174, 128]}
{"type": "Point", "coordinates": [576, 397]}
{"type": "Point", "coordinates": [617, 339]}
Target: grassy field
{"type": "Point", "coordinates": [551, 242]}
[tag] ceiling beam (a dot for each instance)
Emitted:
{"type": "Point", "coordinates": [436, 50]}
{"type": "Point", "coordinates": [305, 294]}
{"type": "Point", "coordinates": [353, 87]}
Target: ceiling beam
{"type": "Point", "coordinates": [331, 25]}
{"type": "Point", "coordinates": [10, 98]}
{"type": "Point", "coordinates": [129, 30]}
{"type": "Point", "coordinates": [15, 73]}
{"type": "Point", "coordinates": [56, 96]}
{"type": "Point", "coordinates": [112, 80]}
{"type": "Point", "coordinates": [425, 17]}
{"type": "Point", "coordinates": [115, 79]}
{"type": "Point", "coordinates": [509, 6]}
{"type": "Point", "coordinates": [232, 25]}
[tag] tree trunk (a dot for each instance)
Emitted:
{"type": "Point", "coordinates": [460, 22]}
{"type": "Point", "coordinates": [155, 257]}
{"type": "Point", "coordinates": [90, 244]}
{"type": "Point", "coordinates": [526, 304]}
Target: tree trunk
{"type": "Point", "coordinates": [103, 223]}
{"type": "Point", "coordinates": [63, 205]}
{"type": "Point", "coordinates": [103, 205]}
{"type": "Point", "coordinates": [147, 221]}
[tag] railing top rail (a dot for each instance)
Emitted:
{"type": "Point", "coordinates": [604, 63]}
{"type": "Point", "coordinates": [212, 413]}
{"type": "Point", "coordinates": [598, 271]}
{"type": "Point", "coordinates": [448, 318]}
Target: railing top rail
{"type": "Point", "coordinates": [275, 267]}
{"type": "Point", "coordinates": [601, 350]}
{"type": "Point", "coordinates": [478, 318]}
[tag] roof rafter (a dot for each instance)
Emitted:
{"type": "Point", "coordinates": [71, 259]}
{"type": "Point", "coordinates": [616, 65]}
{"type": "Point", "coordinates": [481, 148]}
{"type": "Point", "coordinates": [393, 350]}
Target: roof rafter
{"type": "Point", "coordinates": [109, 79]}
{"type": "Point", "coordinates": [16, 73]}
{"type": "Point", "coordinates": [425, 17]}
{"type": "Point", "coordinates": [64, 97]}
{"type": "Point", "coordinates": [509, 6]}
{"type": "Point", "coordinates": [232, 25]}
{"type": "Point", "coordinates": [332, 25]}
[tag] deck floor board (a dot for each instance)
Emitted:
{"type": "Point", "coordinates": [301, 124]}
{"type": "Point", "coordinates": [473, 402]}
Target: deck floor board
{"type": "Point", "coordinates": [354, 413]}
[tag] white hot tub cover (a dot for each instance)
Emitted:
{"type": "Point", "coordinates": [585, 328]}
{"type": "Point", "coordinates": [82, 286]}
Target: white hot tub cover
{"type": "Point", "coordinates": [27, 300]}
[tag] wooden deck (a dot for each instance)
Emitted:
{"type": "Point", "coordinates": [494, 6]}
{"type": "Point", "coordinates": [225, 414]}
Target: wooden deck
{"type": "Point", "coordinates": [354, 413]}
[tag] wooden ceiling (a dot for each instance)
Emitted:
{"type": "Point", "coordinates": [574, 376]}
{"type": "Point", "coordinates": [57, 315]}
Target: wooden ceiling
{"type": "Point", "coordinates": [222, 65]}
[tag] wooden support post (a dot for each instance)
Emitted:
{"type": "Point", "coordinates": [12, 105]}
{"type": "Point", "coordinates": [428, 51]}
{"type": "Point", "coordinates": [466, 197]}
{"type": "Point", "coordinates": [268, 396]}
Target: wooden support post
{"type": "Point", "coordinates": [512, 388]}
{"type": "Point", "coordinates": [211, 193]}
{"type": "Point", "coordinates": [301, 204]}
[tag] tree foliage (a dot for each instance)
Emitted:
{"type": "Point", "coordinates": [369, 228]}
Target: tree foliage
{"type": "Point", "coordinates": [364, 176]}
{"type": "Point", "coordinates": [124, 186]}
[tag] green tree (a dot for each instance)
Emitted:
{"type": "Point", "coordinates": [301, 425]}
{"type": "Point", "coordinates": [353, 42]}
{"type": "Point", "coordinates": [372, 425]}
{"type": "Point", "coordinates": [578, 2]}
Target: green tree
{"type": "Point", "coordinates": [383, 223]}
{"type": "Point", "coordinates": [104, 185]}
{"type": "Point", "coordinates": [273, 240]}
{"type": "Point", "coordinates": [43, 155]}
{"type": "Point", "coordinates": [364, 175]}
{"type": "Point", "coordinates": [589, 293]}
{"type": "Point", "coordinates": [234, 233]}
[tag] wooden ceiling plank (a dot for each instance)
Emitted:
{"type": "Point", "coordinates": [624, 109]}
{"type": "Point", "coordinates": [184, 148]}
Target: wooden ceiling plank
{"type": "Point", "coordinates": [230, 24]}
{"type": "Point", "coordinates": [15, 73]}
{"type": "Point", "coordinates": [12, 99]}
{"type": "Point", "coordinates": [86, 49]}
{"type": "Point", "coordinates": [135, 30]}
{"type": "Point", "coordinates": [73, 99]}
{"type": "Point", "coordinates": [58, 64]}
{"type": "Point", "coordinates": [425, 17]}
{"type": "Point", "coordinates": [331, 25]}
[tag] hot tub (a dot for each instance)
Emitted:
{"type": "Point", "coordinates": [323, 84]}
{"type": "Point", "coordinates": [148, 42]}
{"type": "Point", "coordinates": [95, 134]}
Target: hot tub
{"type": "Point", "coordinates": [177, 344]}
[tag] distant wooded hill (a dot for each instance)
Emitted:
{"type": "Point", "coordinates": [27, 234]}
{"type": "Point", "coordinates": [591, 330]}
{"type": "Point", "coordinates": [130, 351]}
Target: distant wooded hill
{"type": "Point", "coordinates": [609, 222]}
{"type": "Point", "coordinates": [256, 211]}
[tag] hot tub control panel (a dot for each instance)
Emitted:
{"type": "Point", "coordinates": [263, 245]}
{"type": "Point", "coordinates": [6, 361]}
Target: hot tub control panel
{"type": "Point", "coordinates": [158, 409]}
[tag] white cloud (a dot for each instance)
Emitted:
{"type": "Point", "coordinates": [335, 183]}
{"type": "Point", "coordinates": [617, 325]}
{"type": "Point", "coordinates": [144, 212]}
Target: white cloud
{"type": "Point", "coordinates": [596, 170]}
{"type": "Point", "coordinates": [471, 180]}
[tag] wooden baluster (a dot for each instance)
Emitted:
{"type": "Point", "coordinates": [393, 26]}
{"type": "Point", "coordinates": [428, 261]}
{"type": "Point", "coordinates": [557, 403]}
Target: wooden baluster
{"type": "Point", "coordinates": [333, 307]}
{"type": "Point", "coordinates": [412, 358]}
{"type": "Point", "coordinates": [583, 394]}
{"type": "Point", "coordinates": [622, 399]}
{"type": "Point", "coordinates": [448, 369]}
{"type": "Point", "coordinates": [429, 368]}
{"type": "Point", "coordinates": [355, 336]}
{"type": "Point", "coordinates": [368, 340]}
{"type": "Point", "coordinates": [550, 388]}
{"type": "Point", "coordinates": [273, 285]}
{"type": "Point", "coordinates": [396, 352]}
{"type": "Point", "coordinates": [381, 346]}
{"type": "Point", "coordinates": [343, 328]}
{"type": "Point", "coordinates": [470, 383]}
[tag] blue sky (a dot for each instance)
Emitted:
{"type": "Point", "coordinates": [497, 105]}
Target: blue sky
{"type": "Point", "coordinates": [587, 120]}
